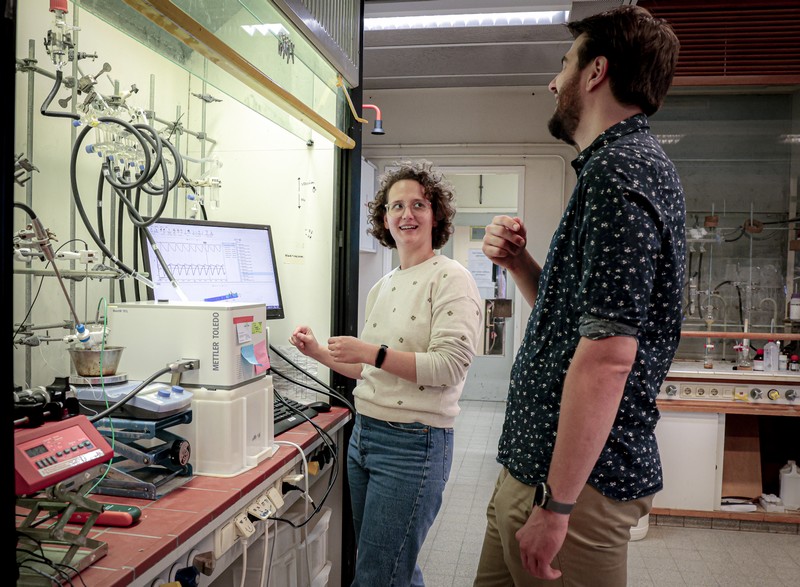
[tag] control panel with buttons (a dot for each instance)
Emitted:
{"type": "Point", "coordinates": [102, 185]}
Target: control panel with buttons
{"type": "Point", "coordinates": [711, 391]}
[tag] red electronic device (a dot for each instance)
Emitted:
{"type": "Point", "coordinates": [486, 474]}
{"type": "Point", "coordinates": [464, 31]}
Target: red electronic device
{"type": "Point", "coordinates": [112, 515]}
{"type": "Point", "coordinates": [55, 451]}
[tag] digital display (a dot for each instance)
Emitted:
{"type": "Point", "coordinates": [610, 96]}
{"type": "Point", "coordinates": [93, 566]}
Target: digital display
{"type": "Point", "coordinates": [36, 450]}
{"type": "Point", "coordinates": [214, 261]}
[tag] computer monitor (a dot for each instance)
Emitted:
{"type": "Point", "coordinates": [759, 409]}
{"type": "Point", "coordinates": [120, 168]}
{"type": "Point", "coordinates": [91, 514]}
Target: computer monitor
{"type": "Point", "coordinates": [214, 261]}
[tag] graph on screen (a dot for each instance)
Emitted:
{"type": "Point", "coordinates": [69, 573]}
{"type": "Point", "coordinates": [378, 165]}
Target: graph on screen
{"type": "Point", "coordinates": [214, 261]}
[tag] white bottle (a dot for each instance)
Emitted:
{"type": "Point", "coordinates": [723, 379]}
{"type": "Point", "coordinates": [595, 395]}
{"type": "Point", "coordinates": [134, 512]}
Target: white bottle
{"type": "Point", "coordinates": [794, 307]}
{"type": "Point", "coordinates": [790, 485]}
{"type": "Point", "coordinates": [771, 352]}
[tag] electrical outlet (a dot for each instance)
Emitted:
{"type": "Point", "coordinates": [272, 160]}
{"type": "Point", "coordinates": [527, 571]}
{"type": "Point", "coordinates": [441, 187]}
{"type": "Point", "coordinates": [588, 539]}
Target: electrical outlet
{"type": "Point", "coordinates": [275, 497]}
{"type": "Point", "coordinates": [243, 526]}
{"type": "Point", "coordinates": [224, 537]}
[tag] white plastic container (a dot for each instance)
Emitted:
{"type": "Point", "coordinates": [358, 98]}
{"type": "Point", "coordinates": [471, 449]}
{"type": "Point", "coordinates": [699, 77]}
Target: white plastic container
{"type": "Point", "coordinates": [790, 485]}
{"type": "Point", "coordinates": [284, 571]}
{"type": "Point", "coordinates": [312, 554]}
{"type": "Point", "coordinates": [321, 580]}
{"type": "Point", "coordinates": [231, 429]}
{"type": "Point", "coordinates": [287, 538]}
{"type": "Point", "coordinates": [639, 531]}
{"type": "Point", "coordinates": [771, 352]}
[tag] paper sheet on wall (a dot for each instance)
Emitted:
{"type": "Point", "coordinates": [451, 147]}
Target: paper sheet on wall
{"type": "Point", "coordinates": [481, 267]}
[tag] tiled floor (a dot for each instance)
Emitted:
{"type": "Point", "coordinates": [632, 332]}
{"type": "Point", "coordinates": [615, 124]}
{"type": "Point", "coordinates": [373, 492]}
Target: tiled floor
{"type": "Point", "coordinates": [666, 557]}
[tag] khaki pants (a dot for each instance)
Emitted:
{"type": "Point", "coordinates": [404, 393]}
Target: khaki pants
{"type": "Point", "coordinates": [594, 554]}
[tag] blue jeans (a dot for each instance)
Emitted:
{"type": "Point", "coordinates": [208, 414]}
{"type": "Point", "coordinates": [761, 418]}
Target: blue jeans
{"type": "Point", "coordinates": [397, 474]}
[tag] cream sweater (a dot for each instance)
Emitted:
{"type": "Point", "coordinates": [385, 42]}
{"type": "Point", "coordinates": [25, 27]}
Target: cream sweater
{"type": "Point", "coordinates": [435, 310]}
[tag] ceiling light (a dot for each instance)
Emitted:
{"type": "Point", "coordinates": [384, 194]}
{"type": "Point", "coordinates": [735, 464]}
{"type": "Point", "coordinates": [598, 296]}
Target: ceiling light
{"type": "Point", "coordinates": [264, 29]}
{"type": "Point", "coordinates": [668, 139]}
{"type": "Point", "coordinates": [791, 139]}
{"type": "Point", "coordinates": [465, 20]}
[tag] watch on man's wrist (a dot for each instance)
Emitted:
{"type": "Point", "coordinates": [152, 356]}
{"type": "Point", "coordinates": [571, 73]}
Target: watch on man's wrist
{"type": "Point", "coordinates": [543, 498]}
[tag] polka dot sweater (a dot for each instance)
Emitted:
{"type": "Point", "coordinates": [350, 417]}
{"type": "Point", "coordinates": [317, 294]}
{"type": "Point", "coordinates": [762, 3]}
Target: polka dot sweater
{"type": "Point", "coordinates": [434, 310]}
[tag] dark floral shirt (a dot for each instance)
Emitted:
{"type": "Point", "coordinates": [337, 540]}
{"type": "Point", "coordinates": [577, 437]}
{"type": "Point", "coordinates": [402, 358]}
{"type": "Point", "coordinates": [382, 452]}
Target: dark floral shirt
{"type": "Point", "coordinates": [615, 267]}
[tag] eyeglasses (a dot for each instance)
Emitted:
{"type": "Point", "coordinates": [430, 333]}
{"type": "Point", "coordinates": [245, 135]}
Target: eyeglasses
{"type": "Point", "coordinates": [417, 207]}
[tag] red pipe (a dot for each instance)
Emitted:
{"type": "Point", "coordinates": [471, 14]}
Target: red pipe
{"type": "Point", "coordinates": [375, 108]}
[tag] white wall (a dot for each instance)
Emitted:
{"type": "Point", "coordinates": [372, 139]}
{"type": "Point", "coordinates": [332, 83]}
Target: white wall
{"type": "Point", "coordinates": [262, 167]}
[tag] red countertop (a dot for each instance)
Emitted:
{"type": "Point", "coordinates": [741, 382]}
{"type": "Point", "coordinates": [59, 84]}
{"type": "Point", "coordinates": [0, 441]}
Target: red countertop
{"type": "Point", "coordinates": [183, 512]}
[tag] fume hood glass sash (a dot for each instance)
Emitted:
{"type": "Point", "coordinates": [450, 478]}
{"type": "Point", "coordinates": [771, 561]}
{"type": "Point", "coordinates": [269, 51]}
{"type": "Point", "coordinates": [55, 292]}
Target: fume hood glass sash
{"type": "Point", "coordinates": [251, 52]}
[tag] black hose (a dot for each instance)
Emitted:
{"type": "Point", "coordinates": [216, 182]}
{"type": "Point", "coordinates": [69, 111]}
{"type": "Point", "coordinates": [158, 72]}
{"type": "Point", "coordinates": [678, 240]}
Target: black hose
{"type": "Point", "coordinates": [136, 250]}
{"type": "Point", "coordinates": [741, 310]}
{"type": "Point", "coordinates": [146, 143]}
{"type": "Point", "coordinates": [51, 95]}
{"type": "Point", "coordinates": [28, 210]}
{"type": "Point", "coordinates": [120, 225]}
{"type": "Point", "coordinates": [99, 206]}
{"type": "Point", "coordinates": [79, 205]}
{"type": "Point", "coordinates": [736, 238]}
{"type": "Point", "coordinates": [796, 219]}
{"type": "Point", "coordinates": [153, 189]}
{"type": "Point", "coordinates": [139, 221]}
{"type": "Point", "coordinates": [150, 167]}
{"type": "Point", "coordinates": [699, 270]}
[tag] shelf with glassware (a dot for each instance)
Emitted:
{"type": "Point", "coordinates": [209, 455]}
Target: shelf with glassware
{"type": "Point", "coordinates": [742, 278]}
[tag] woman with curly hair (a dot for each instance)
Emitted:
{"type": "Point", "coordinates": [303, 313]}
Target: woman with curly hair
{"type": "Point", "coordinates": [423, 323]}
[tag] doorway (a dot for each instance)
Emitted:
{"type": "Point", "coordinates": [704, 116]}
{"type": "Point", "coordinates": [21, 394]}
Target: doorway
{"type": "Point", "coordinates": [483, 193]}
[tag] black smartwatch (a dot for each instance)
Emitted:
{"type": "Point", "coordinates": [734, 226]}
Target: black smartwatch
{"type": "Point", "coordinates": [543, 498]}
{"type": "Point", "coordinates": [381, 356]}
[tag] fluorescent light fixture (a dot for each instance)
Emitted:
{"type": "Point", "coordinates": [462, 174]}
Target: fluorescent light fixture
{"type": "Point", "coordinates": [669, 139]}
{"type": "Point", "coordinates": [434, 21]}
{"type": "Point", "coordinates": [264, 29]}
{"type": "Point", "coordinates": [790, 139]}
